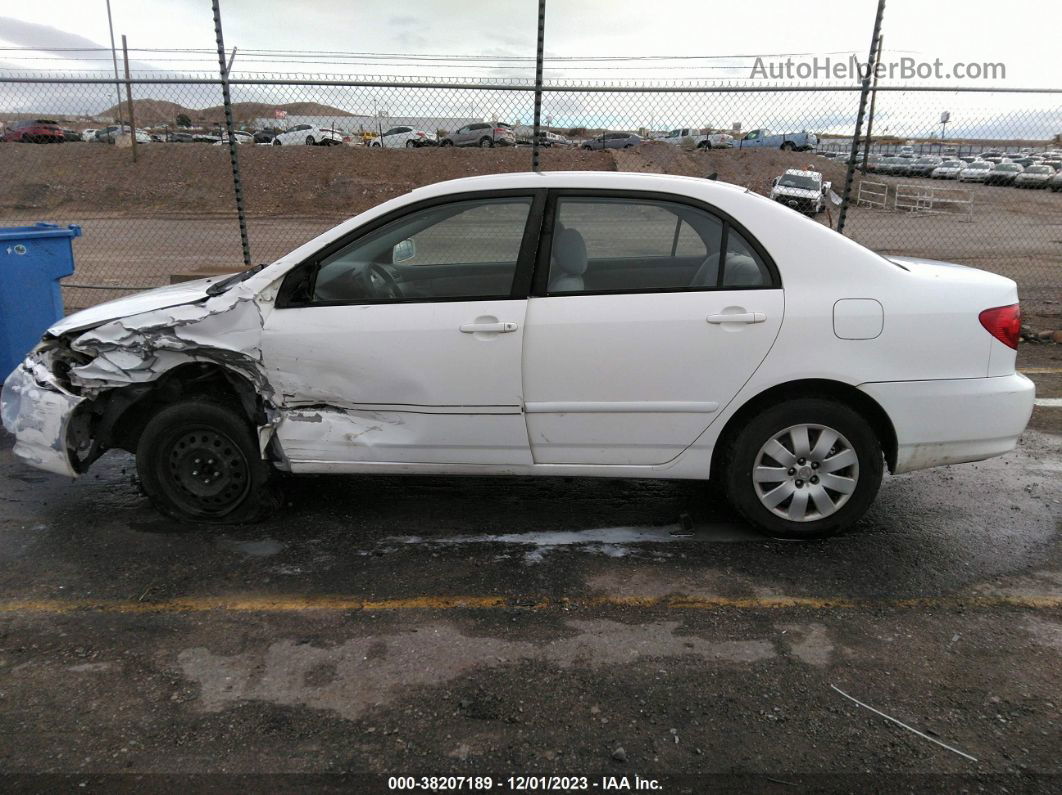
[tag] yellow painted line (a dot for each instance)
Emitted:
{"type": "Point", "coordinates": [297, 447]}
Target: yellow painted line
{"type": "Point", "coordinates": [1040, 370]}
{"type": "Point", "coordinates": [296, 603]}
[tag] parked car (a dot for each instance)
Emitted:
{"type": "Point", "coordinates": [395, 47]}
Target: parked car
{"type": "Point", "coordinates": [1034, 177]}
{"type": "Point", "coordinates": [949, 169]}
{"type": "Point", "coordinates": [801, 141]}
{"type": "Point", "coordinates": [976, 171]}
{"type": "Point", "coordinates": [239, 136]}
{"type": "Point", "coordinates": [893, 164]}
{"type": "Point", "coordinates": [1056, 182]}
{"type": "Point", "coordinates": [308, 134]}
{"type": "Point", "coordinates": [332, 137]}
{"type": "Point", "coordinates": [924, 165]}
{"type": "Point", "coordinates": [107, 135]}
{"type": "Point", "coordinates": [613, 140]}
{"type": "Point", "coordinates": [905, 151]}
{"type": "Point", "coordinates": [71, 135]}
{"type": "Point", "coordinates": [968, 158]}
{"type": "Point", "coordinates": [179, 138]}
{"type": "Point", "coordinates": [697, 139]}
{"type": "Point", "coordinates": [34, 131]}
{"type": "Point", "coordinates": [1003, 174]}
{"type": "Point", "coordinates": [480, 134]}
{"type": "Point", "coordinates": [89, 134]}
{"type": "Point", "coordinates": [266, 135]}
{"type": "Point", "coordinates": [406, 137]}
{"type": "Point", "coordinates": [803, 191]}
{"type": "Point", "coordinates": [210, 385]}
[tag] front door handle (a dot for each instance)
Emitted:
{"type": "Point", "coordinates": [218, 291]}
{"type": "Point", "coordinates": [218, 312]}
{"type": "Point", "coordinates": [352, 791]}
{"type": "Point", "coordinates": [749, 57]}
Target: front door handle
{"type": "Point", "coordinates": [738, 317]}
{"type": "Point", "coordinates": [488, 328]}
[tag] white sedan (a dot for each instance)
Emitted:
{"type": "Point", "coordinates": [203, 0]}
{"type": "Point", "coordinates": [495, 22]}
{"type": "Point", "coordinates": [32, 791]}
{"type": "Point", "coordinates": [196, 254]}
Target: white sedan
{"type": "Point", "coordinates": [405, 137]}
{"type": "Point", "coordinates": [308, 134]}
{"type": "Point", "coordinates": [575, 324]}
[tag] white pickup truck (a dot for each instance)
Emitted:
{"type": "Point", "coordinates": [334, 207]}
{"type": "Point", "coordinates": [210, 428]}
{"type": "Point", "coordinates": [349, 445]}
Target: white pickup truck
{"type": "Point", "coordinates": [700, 140]}
{"type": "Point", "coordinates": [803, 191]}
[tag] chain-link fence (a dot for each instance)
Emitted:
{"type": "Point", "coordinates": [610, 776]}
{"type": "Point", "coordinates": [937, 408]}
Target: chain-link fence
{"type": "Point", "coordinates": [971, 175]}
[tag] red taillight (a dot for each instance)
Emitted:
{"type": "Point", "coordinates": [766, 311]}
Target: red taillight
{"type": "Point", "coordinates": [500, 130]}
{"type": "Point", "coordinates": [1003, 323]}
{"type": "Point", "coordinates": [421, 135]}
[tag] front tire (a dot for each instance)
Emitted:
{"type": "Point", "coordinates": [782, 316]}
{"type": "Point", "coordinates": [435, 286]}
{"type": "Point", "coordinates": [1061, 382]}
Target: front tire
{"type": "Point", "coordinates": [806, 468]}
{"type": "Point", "coordinates": [276, 142]}
{"type": "Point", "coordinates": [199, 461]}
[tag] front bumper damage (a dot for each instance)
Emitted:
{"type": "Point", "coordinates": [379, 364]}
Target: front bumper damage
{"type": "Point", "coordinates": [64, 404]}
{"type": "Point", "coordinates": [38, 412]}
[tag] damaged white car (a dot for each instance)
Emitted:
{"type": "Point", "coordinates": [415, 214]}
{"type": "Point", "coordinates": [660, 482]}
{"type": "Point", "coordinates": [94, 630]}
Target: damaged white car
{"type": "Point", "coordinates": [586, 324]}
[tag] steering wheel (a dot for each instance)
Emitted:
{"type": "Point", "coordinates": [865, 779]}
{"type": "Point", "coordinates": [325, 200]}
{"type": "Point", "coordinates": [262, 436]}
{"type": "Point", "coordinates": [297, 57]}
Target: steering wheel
{"type": "Point", "coordinates": [381, 282]}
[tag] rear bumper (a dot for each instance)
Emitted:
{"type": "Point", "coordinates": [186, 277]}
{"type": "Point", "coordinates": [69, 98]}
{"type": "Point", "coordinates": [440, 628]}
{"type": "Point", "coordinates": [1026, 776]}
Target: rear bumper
{"type": "Point", "coordinates": [954, 421]}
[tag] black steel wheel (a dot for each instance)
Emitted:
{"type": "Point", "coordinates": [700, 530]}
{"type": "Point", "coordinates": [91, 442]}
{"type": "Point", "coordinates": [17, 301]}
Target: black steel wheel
{"type": "Point", "coordinates": [199, 461]}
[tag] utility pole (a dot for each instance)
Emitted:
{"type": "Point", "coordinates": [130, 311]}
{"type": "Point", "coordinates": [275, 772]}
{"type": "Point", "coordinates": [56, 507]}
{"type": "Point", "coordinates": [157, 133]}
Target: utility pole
{"type": "Point", "coordinates": [129, 95]}
{"type": "Point", "coordinates": [114, 57]}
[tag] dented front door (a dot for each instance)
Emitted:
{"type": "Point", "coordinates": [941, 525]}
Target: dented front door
{"type": "Point", "coordinates": [434, 383]}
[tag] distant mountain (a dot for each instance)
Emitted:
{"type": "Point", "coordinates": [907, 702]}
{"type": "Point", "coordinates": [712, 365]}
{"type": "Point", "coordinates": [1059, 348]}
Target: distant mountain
{"type": "Point", "coordinates": [150, 112]}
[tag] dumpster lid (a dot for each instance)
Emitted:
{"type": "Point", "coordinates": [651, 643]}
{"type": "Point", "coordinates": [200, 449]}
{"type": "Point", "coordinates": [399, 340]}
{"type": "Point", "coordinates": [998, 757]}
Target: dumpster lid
{"type": "Point", "coordinates": [40, 229]}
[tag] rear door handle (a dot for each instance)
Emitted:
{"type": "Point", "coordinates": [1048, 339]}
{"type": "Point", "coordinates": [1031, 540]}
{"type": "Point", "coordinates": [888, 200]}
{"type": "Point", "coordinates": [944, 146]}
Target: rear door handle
{"type": "Point", "coordinates": [489, 328]}
{"type": "Point", "coordinates": [739, 317]}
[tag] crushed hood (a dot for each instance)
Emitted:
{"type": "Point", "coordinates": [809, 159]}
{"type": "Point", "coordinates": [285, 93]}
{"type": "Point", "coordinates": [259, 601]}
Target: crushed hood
{"type": "Point", "coordinates": [147, 301]}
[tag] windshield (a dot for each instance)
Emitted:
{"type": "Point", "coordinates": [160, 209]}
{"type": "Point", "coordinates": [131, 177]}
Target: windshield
{"type": "Point", "coordinates": [980, 166]}
{"type": "Point", "coordinates": [798, 181]}
{"type": "Point", "coordinates": [1006, 167]}
{"type": "Point", "coordinates": [953, 164]}
{"type": "Point", "coordinates": [1040, 170]}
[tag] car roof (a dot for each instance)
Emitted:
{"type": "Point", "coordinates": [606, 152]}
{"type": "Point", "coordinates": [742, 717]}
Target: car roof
{"type": "Point", "coordinates": [798, 172]}
{"type": "Point", "coordinates": [601, 180]}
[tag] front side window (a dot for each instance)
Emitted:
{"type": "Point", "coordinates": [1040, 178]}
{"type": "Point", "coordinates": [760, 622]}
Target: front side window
{"type": "Point", "coordinates": [462, 250]}
{"type": "Point", "coordinates": [603, 245]}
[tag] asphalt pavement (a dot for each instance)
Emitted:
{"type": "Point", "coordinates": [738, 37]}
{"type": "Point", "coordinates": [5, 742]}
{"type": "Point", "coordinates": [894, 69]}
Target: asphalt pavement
{"type": "Point", "coordinates": [602, 630]}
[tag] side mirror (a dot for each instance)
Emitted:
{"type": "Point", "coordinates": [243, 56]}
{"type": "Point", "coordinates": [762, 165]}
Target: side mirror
{"type": "Point", "coordinates": [403, 251]}
{"type": "Point", "coordinates": [774, 182]}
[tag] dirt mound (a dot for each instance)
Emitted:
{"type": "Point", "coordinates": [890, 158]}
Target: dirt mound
{"type": "Point", "coordinates": [285, 180]}
{"type": "Point", "coordinates": [312, 181]}
{"type": "Point", "coordinates": [752, 168]}
{"type": "Point", "coordinates": [151, 112]}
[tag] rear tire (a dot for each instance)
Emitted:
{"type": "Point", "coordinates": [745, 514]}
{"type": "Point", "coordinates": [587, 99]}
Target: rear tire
{"type": "Point", "coordinates": [276, 142]}
{"type": "Point", "coordinates": [486, 143]}
{"type": "Point", "coordinates": [787, 491]}
{"type": "Point", "coordinates": [410, 145]}
{"type": "Point", "coordinates": [788, 146]}
{"type": "Point", "coordinates": [199, 461]}
{"type": "Point", "coordinates": [310, 141]}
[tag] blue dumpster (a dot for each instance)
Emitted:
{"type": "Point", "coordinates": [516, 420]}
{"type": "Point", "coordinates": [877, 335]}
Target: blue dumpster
{"type": "Point", "coordinates": [32, 261]}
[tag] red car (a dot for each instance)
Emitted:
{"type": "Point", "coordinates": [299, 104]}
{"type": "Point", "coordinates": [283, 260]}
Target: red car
{"type": "Point", "coordinates": [36, 131]}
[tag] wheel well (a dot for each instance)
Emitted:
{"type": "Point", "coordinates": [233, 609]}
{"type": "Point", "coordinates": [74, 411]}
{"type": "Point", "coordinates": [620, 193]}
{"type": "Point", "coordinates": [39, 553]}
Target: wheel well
{"type": "Point", "coordinates": [124, 413]}
{"type": "Point", "coordinates": [865, 405]}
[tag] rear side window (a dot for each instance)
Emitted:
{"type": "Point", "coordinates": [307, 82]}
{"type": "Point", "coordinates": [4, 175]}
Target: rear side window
{"type": "Point", "coordinates": [606, 245]}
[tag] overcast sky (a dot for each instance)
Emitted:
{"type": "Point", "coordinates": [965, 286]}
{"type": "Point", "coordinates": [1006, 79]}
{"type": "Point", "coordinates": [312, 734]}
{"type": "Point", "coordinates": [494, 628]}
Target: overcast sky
{"type": "Point", "coordinates": [953, 30]}
{"type": "Point", "coordinates": [1023, 36]}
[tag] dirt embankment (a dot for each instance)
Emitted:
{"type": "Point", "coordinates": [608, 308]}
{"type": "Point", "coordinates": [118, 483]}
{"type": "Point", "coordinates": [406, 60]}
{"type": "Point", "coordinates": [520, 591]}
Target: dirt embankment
{"type": "Point", "coordinates": [301, 180]}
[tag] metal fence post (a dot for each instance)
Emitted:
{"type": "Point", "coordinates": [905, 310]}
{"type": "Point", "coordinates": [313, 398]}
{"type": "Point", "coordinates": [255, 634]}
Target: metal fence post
{"type": "Point", "coordinates": [538, 84]}
{"type": "Point", "coordinates": [129, 96]}
{"type": "Point", "coordinates": [872, 63]}
{"type": "Point", "coordinates": [230, 132]}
